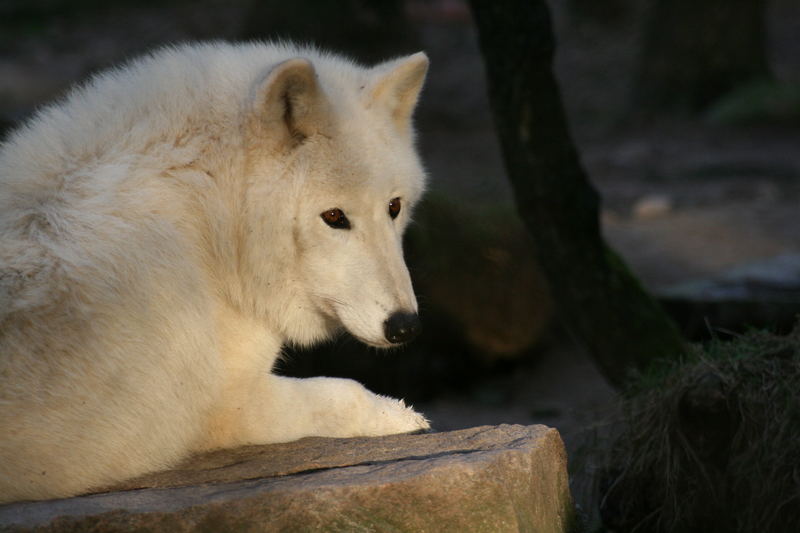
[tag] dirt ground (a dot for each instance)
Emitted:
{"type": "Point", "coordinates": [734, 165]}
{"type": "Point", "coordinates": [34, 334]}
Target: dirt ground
{"type": "Point", "coordinates": [683, 198]}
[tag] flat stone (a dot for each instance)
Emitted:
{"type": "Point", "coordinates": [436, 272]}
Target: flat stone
{"type": "Point", "coordinates": [776, 279]}
{"type": "Point", "coordinates": [758, 294]}
{"type": "Point", "coordinates": [489, 478]}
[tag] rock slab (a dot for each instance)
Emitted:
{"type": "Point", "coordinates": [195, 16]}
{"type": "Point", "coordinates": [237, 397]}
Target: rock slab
{"type": "Point", "coordinates": [764, 293]}
{"type": "Point", "coordinates": [489, 478]}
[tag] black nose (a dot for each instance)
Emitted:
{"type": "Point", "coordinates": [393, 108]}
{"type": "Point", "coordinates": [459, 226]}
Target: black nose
{"type": "Point", "coordinates": [401, 327]}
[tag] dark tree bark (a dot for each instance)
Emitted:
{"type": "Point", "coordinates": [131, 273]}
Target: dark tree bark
{"type": "Point", "coordinates": [697, 50]}
{"type": "Point", "coordinates": [597, 297]}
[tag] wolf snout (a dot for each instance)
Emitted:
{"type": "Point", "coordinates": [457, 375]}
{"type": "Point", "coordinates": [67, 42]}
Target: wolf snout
{"type": "Point", "coordinates": [401, 327]}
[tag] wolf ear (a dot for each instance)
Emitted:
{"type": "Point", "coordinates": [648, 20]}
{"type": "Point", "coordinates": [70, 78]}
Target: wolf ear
{"type": "Point", "coordinates": [396, 86]}
{"type": "Point", "coordinates": [290, 101]}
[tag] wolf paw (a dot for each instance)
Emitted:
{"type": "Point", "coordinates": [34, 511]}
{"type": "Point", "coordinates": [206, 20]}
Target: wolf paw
{"type": "Point", "coordinates": [394, 416]}
{"type": "Point", "coordinates": [337, 407]}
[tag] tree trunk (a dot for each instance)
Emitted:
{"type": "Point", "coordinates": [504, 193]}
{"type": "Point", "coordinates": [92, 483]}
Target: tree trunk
{"type": "Point", "coordinates": [598, 299]}
{"type": "Point", "coordinates": [697, 50]}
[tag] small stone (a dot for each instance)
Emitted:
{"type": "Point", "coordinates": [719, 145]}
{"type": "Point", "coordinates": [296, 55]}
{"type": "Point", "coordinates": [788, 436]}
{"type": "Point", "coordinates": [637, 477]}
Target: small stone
{"type": "Point", "coordinates": [652, 206]}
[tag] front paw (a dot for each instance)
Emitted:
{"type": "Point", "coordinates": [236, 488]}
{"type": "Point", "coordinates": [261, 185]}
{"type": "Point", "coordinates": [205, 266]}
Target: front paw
{"type": "Point", "coordinates": [394, 416]}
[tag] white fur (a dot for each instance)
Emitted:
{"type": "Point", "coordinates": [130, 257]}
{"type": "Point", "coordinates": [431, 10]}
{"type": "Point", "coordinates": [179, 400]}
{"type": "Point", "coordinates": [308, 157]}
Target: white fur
{"type": "Point", "coordinates": [161, 239]}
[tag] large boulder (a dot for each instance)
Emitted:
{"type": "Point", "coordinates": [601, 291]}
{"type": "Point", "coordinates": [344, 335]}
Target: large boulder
{"type": "Point", "coordinates": [489, 478]}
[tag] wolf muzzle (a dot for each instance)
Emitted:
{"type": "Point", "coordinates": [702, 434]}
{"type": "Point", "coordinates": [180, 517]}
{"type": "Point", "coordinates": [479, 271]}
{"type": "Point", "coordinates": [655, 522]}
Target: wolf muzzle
{"type": "Point", "coordinates": [401, 327]}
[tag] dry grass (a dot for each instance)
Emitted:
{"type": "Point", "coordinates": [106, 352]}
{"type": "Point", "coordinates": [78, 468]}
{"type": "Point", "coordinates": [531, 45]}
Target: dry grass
{"type": "Point", "coordinates": [712, 444]}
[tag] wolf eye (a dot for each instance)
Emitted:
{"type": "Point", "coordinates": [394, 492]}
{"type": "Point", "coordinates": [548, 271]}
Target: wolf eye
{"type": "Point", "coordinates": [335, 218]}
{"type": "Point", "coordinates": [394, 207]}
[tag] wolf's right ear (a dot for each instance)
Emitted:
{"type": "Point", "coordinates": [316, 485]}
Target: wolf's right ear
{"type": "Point", "coordinates": [289, 101]}
{"type": "Point", "coordinates": [396, 87]}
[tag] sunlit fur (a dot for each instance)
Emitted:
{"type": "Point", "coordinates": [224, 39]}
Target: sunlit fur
{"type": "Point", "coordinates": [161, 239]}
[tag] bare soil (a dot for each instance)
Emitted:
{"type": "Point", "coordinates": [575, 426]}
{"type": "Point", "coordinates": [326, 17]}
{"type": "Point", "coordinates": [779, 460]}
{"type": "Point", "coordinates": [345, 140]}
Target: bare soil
{"type": "Point", "coordinates": [683, 198]}
{"type": "Point", "coordinates": [724, 196]}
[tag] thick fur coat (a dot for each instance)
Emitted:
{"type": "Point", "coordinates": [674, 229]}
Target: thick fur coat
{"type": "Point", "coordinates": [167, 227]}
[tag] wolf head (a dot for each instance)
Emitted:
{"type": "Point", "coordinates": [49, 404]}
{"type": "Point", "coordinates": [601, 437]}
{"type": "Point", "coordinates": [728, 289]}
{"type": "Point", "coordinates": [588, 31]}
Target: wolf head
{"type": "Point", "coordinates": [334, 167]}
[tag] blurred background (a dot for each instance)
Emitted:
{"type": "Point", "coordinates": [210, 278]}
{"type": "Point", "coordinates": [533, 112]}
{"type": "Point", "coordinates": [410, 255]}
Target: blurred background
{"type": "Point", "coordinates": [686, 116]}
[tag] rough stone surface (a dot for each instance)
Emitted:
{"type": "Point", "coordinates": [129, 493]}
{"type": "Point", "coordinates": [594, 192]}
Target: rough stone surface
{"type": "Point", "coordinates": [489, 478]}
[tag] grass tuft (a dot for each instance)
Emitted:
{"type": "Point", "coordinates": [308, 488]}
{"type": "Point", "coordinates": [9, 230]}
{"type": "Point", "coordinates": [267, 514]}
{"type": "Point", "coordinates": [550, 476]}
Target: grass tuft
{"type": "Point", "coordinates": [711, 443]}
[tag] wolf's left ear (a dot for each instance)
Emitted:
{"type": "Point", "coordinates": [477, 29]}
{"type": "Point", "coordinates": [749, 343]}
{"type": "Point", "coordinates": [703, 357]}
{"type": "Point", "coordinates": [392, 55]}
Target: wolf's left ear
{"type": "Point", "coordinates": [396, 85]}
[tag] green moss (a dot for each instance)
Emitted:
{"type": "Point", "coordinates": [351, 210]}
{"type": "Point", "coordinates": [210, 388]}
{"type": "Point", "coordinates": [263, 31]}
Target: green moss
{"type": "Point", "coordinates": [759, 102]}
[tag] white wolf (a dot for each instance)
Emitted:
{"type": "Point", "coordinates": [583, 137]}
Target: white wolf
{"type": "Point", "coordinates": [167, 227]}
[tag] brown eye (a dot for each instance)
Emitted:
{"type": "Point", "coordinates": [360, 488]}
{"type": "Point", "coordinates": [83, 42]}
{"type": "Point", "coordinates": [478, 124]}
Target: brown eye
{"type": "Point", "coordinates": [335, 218]}
{"type": "Point", "coordinates": [394, 207]}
